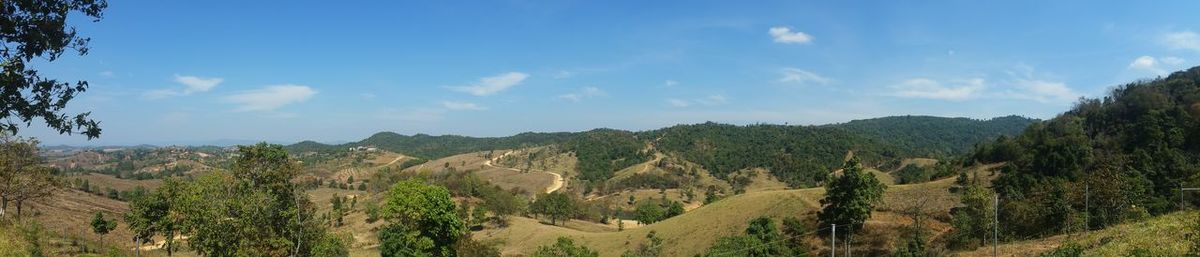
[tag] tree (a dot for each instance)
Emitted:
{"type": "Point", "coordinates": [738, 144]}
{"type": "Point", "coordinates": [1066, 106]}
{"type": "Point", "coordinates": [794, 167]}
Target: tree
{"type": "Point", "coordinates": [102, 226]}
{"type": "Point", "coordinates": [22, 175]}
{"type": "Point", "coordinates": [157, 213]}
{"type": "Point", "coordinates": [973, 221]}
{"type": "Point", "coordinates": [674, 208]}
{"type": "Point", "coordinates": [38, 30]}
{"type": "Point", "coordinates": [649, 212]}
{"type": "Point", "coordinates": [850, 198]}
{"type": "Point", "coordinates": [558, 206]}
{"type": "Point", "coordinates": [564, 247]}
{"type": "Point", "coordinates": [762, 239]}
{"type": "Point", "coordinates": [794, 230]}
{"type": "Point", "coordinates": [252, 210]}
{"type": "Point", "coordinates": [423, 218]}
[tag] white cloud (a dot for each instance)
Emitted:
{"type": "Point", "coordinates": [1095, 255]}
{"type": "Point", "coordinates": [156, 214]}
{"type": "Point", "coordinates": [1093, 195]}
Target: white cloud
{"type": "Point", "coordinates": [1185, 40]}
{"type": "Point", "coordinates": [191, 84]}
{"type": "Point", "coordinates": [801, 77]}
{"type": "Point", "coordinates": [460, 106]}
{"type": "Point", "coordinates": [932, 89]}
{"type": "Point", "coordinates": [1044, 91]}
{"type": "Point", "coordinates": [585, 92]}
{"type": "Point", "coordinates": [670, 83]}
{"type": "Point", "coordinates": [785, 35]}
{"type": "Point", "coordinates": [270, 98]}
{"type": "Point", "coordinates": [678, 103]}
{"type": "Point", "coordinates": [1143, 62]}
{"type": "Point", "coordinates": [494, 84]}
{"type": "Point", "coordinates": [108, 74]}
{"type": "Point", "coordinates": [1156, 66]}
{"type": "Point", "coordinates": [367, 95]}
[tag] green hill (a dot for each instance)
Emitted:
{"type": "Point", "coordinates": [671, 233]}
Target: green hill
{"type": "Point", "coordinates": [1132, 149]}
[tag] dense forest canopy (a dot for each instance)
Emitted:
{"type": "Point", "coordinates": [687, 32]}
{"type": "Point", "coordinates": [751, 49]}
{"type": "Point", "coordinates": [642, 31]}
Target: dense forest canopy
{"type": "Point", "coordinates": [1130, 151]}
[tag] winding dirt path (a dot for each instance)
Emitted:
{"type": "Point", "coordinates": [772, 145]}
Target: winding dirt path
{"type": "Point", "coordinates": [559, 181]}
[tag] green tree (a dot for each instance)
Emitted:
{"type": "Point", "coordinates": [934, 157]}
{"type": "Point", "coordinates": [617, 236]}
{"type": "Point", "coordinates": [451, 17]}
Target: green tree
{"type": "Point", "coordinates": [422, 217]}
{"type": "Point", "coordinates": [674, 208]}
{"type": "Point", "coordinates": [102, 226]}
{"type": "Point", "coordinates": [557, 206]}
{"type": "Point", "coordinates": [39, 30]}
{"type": "Point", "coordinates": [649, 212]}
{"type": "Point", "coordinates": [850, 198]}
{"type": "Point", "coordinates": [973, 221]}
{"type": "Point", "coordinates": [332, 245]}
{"type": "Point", "coordinates": [157, 213]}
{"type": "Point", "coordinates": [467, 247]}
{"type": "Point", "coordinates": [252, 210]}
{"type": "Point", "coordinates": [564, 247]}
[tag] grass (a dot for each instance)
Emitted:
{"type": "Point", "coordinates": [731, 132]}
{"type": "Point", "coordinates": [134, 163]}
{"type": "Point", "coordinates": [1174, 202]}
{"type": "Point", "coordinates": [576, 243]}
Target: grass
{"type": "Point", "coordinates": [1165, 235]}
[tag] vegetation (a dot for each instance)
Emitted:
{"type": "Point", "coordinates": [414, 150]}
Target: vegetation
{"type": "Point", "coordinates": [762, 239]}
{"type": "Point", "coordinates": [850, 198]}
{"type": "Point", "coordinates": [38, 30]}
{"type": "Point", "coordinates": [935, 136]}
{"type": "Point", "coordinates": [22, 175]}
{"type": "Point", "coordinates": [604, 151]}
{"type": "Point", "coordinates": [1131, 151]}
{"type": "Point", "coordinates": [253, 210]}
{"type": "Point", "coordinates": [422, 221]}
{"type": "Point", "coordinates": [564, 247]}
{"type": "Point", "coordinates": [556, 206]}
{"type": "Point", "coordinates": [912, 173]}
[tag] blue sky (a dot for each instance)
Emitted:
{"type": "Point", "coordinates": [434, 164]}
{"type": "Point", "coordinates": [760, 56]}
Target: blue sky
{"type": "Point", "coordinates": [194, 71]}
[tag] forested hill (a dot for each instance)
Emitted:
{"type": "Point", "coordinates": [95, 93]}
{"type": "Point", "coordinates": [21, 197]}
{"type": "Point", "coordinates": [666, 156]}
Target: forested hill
{"type": "Point", "coordinates": [797, 154]}
{"type": "Point", "coordinates": [1132, 150]}
{"type": "Point", "coordinates": [935, 136]}
{"type": "Point", "coordinates": [433, 147]}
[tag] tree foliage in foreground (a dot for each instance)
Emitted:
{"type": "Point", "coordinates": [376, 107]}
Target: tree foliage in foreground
{"type": "Point", "coordinates": [32, 30]}
{"type": "Point", "coordinates": [423, 221]}
{"type": "Point", "coordinates": [850, 198]}
{"type": "Point", "coordinates": [252, 210]}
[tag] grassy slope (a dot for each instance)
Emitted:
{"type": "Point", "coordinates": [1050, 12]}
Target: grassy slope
{"type": "Point", "coordinates": [694, 231]}
{"type": "Point", "coordinates": [1162, 236]}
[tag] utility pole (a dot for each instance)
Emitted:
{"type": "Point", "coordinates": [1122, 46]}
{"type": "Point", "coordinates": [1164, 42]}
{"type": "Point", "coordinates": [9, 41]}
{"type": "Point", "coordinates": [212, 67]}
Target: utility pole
{"type": "Point", "coordinates": [1087, 211]}
{"type": "Point", "coordinates": [833, 242]}
{"type": "Point", "coordinates": [995, 224]}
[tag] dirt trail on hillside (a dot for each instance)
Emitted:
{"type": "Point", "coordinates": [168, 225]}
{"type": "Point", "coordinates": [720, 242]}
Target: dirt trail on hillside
{"type": "Point", "coordinates": [559, 181]}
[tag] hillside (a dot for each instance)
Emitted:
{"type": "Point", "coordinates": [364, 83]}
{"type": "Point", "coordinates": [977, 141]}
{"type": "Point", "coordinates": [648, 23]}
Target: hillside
{"type": "Point", "coordinates": [798, 155]}
{"type": "Point", "coordinates": [935, 136]}
{"type": "Point", "coordinates": [1128, 153]}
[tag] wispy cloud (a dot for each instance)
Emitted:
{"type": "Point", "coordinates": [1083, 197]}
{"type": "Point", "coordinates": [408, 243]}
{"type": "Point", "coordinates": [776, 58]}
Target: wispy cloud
{"type": "Point", "coordinates": [585, 92]}
{"type": "Point", "coordinates": [785, 35]}
{"type": "Point", "coordinates": [932, 89]}
{"type": "Point", "coordinates": [461, 106]}
{"type": "Point", "coordinates": [270, 98]}
{"type": "Point", "coordinates": [367, 95]}
{"type": "Point", "coordinates": [1021, 84]}
{"type": "Point", "coordinates": [191, 84]}
{"type": "Point", "coordinates": [1185, 40]}
{"type": "Point", "coordinates": [108, 74]}
{"type": "Point", "coordinates": [670, 83]}
{"type": "Point", "coordinates": [801, 77]}
{"type": "Point", "coordinates": [492, 85]}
